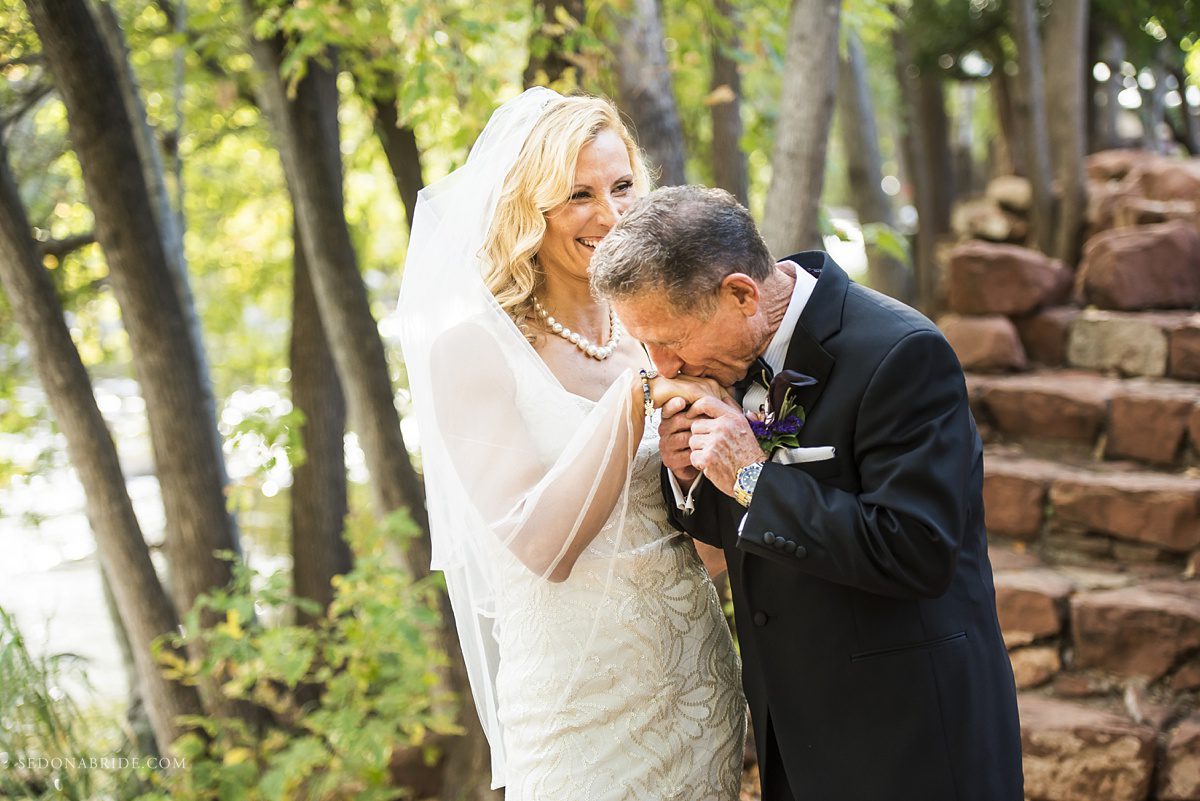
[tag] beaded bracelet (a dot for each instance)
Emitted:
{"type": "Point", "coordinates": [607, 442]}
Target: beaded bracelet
{"type": "Point", "coordinates": [649, 402]}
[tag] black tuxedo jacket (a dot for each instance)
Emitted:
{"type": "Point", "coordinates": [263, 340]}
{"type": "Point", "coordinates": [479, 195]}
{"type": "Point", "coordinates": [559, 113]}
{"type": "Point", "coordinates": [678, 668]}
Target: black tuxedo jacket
{"type": "Point", "coordinates": [862, 589]}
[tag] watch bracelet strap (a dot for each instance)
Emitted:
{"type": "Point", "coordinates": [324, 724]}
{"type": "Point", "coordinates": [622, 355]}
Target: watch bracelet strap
{"type": "Point", "coordinates": [745, 481]}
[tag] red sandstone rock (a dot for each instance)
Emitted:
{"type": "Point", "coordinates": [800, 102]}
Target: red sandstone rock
{"type": "Point", "coordinates": [1155, 508]}
{"type": "Point", "coordinates": [1044, 334]}
{"type": "Point", "coordinates": [1131, 343]}
{"type": "Point", "coordinates": [1148, 420]}
{"type": "Point", "coordinates": [1072, 752]}
{"type": "Point", "coordinates": [1131, 211]}
{"type": "Point", "coordinates": [1083, 685]}
{"type": "Point", "coordinates": [1034, 666]}
{"type": "Point", "coordinates": [1031, 604]}
{"type": "Point", "coordinates": [1148, 267]}
{"type": "Point", "coordinates": [1011, 192]}
{"type": "Point", "coordinates": [1104, 201]}
{"type": "Point", "coordinates": [1114, 165]}
{"type": "Point", "coordinates": [990, 278]}
{"type": "Point", "coordinates": [1165, 179]}
{"type": "Point", "coordinates": [1186, 678]}
{"type": "Point", "coordinates": [1179, 773]}
{"type": "Point", "coordinates": [1134, 631]}
{"type": "Point", "coordinates": [982, 218]}
{"type": "Point", "coordinates": [1006, 557]}
{"type": "Point", "coordinates": [1184, 359]}
{"type": "Point", "coordinates": [1057, 405]}
{"type": "Point", "coordinates": [987, 343]}
{"type": "Point", "coordinates": [1013, 505]}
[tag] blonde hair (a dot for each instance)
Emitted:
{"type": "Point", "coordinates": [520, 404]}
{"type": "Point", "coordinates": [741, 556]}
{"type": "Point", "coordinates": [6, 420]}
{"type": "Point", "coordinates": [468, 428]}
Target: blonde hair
{"type": "Point", "coordinates": [539, 182]}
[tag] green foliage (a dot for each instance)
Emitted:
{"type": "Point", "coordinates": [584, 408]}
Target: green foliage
{"type": "Point", "coordinates": [872, 20]}
{"type": "Point", "coordinates": [887, 241]}
{"type": "Point", "coordinates": [48, 743]}
{"type": "Point", "coordinates": [753, 34]}
{"type": "Point", "coordinates": [342, 695]}
{"type": "Point", "coordinates": [1148, 25]}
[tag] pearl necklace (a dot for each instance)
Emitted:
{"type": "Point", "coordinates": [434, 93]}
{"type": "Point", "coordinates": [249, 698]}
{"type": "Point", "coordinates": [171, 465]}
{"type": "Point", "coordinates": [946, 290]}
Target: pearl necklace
{"type": "Point", "coordinates": [578, 340]}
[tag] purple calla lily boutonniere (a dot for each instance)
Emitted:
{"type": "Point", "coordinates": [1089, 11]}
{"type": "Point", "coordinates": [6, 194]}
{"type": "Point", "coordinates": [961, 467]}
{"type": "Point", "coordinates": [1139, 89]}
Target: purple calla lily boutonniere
{"type": "Point", "coordinates": [782, 416]}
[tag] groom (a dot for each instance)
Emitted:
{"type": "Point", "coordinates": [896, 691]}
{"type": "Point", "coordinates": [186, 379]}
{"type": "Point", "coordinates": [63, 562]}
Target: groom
{"type": "Point", "coordinates": [866, 616]}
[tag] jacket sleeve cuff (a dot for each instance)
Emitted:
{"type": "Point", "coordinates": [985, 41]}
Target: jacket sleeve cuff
{"type": "Point", "coordinates": [755, 537]}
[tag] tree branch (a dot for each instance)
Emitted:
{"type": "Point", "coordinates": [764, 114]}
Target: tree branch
{"type": "Point", "coordinates": [211, 65]}
{"type": "Point", "coordinates": [59, 248]}
{"type": "Point", "coordinates": [26, 101]}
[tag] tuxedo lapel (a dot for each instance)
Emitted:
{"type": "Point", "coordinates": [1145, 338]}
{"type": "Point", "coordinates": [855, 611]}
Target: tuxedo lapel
{"type": "Point", "coordinates": [820, 320]}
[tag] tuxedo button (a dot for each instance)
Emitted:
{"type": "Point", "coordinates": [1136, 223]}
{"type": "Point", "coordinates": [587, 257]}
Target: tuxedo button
{"type": "Point", "coordinates": [769, 537]}
{"type": "Point", "coordinates": [760, 618]}
{"type": "Point", "coordinates": [789, 547]}
{"type": "Point", "coordinates": [801, 552]}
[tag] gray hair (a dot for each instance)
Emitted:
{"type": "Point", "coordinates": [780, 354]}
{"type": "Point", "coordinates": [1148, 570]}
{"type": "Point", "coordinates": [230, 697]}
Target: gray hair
{"type": "Point", "coordinates": [682, 240]}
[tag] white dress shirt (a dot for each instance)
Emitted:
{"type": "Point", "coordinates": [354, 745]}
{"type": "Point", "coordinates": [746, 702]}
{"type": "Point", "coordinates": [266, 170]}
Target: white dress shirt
{"type": "Point", "coordinates": [774, 355]}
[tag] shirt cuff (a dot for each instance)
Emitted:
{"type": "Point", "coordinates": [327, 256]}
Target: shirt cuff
{"type": "Point", "coordinates": [683, 502]}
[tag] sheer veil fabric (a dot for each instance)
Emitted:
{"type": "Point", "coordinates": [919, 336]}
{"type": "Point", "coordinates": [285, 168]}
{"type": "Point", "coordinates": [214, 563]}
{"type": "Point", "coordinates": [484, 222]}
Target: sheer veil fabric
{"type": "Point", "coordinates": [516, 467]}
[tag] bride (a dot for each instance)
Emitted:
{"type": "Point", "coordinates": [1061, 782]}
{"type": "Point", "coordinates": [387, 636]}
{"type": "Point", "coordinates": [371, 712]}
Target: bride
{"type": "Point", "coordinates": [599, 658]}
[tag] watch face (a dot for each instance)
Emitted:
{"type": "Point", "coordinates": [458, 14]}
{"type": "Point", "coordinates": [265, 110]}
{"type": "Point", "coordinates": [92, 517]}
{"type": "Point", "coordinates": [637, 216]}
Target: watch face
{"type": "Point", "coordinates": [743, 484]}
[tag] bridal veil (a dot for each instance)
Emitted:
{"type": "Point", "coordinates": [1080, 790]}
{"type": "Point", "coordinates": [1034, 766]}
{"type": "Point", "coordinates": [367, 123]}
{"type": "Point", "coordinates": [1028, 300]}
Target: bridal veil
{"type": "Point", "coordinates": [507, 486]}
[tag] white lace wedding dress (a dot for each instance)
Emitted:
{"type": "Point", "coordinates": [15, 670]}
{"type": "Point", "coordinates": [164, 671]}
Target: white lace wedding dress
{"type": "Point", "coordinates": [653, 709]}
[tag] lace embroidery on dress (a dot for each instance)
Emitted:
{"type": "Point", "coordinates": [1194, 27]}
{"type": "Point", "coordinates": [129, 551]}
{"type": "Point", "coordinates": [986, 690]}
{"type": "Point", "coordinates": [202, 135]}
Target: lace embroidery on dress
{"type": "Point", "coordinates": [657, 710]}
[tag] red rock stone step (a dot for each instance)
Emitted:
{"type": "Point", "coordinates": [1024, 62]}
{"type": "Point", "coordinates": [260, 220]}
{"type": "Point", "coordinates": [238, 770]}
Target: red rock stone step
{"type": "Point", "coordinates": [1150, 420]}
{"type": "Point", "coordinates": [1073, 752]}
{"type": "Point", "coordinates": [1133, 343]}
{"type": "Point", "coordinates": [1143, 631]}
{"type": "Point", "coordinates": [1143, 267]}
{"type": "Point", "coordinates": [1115, 626]}
{"type": "Point", "coordinates": [1161, 510]}
{"type": "Point", "coordinates": [1079, 752]}
{"type": "Point", "coordinates": [1154, 344]}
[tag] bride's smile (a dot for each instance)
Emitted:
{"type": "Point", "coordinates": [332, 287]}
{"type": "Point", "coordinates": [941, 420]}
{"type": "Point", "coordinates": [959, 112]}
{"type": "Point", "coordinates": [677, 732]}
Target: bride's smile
{"type": "Point", "coordinates": [601, 191]}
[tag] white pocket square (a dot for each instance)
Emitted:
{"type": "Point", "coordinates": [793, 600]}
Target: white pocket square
{"type": "Point", "coordinates": [796, 455]}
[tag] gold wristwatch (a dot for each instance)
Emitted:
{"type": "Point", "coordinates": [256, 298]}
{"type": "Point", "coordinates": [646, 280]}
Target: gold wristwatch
{"type": "Point", "coordinates": [743, 483]}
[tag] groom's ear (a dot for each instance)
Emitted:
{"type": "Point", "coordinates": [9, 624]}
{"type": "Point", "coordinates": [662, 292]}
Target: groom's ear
{"type": "Point", "coordinates": [742, 290]}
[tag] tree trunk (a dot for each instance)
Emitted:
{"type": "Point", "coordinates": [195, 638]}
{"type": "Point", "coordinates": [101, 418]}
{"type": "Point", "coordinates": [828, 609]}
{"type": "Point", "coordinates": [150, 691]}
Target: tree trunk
{"type": "Point", "coordinates": [400, 146]}
{"type": "Point", "coordinates": [864, 165]}
{"type": "Point", "coordinates": [644, 86]}
{"type": "Point", "coordinates": [963, 140]}
{"type": "Point", "coordinates": [168, 216]}
{"type": "Point", "coordinates": [1190, 134]}
{"type": "Point", "coordinates": [182, 428]}
{"type": "Point", "coordinates": [1154, 112]}
{"type": "Point", "coordinates": [145, 610]}
{"type": "Point", "coordinates": [927, 151]}
{"type": "Point", "coordinates": [548, 63]}
{"type": "Point", "coordinates": [306, 129]}
{"type": "Point", "coordinates": [1031, 113]}
{"type": "Point", "coordinates": [1066, 28]}
{"type": "Point", "coordinates": [792, 218]}
{"type": "Point", "coordinates": [728, 160]}
{"type": "Point", "coordinates": [860, 136]}
{"type": "Point", "coordinates": [137, 716]}
{"type": "Point", "coordinates": [1108, 108]}
{"type": "Point", "coordinates": [319, 552]}
{"type": "Point", "coordinates": [1011, 158]}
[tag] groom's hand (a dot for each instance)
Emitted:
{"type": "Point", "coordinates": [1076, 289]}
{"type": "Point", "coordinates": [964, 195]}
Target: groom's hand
{"type": "Point", "coordinates": [673, 434]}
{"type": "Point", "coordinates": [721, 442]}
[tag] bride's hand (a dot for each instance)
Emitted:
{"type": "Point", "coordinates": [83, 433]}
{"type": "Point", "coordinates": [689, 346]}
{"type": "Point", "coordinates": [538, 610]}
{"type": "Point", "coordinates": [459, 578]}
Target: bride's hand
{"type": "Point", "coordinates": [689, 388]}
